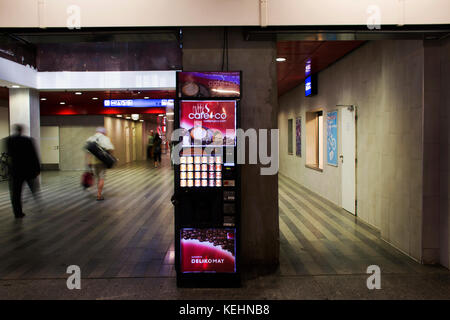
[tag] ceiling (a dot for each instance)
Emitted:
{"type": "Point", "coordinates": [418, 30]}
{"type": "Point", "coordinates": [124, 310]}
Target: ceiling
{"type": "Point", "coordinates": [320, 54]}
{"type": "Point", "coordinates": [69, 97]}
{"type": "Point", "coordinates": [91, 102]}
{"type": "Point", "coordinates": [291, 72]}
{"type": "Point", "coordinates": [38, 36]}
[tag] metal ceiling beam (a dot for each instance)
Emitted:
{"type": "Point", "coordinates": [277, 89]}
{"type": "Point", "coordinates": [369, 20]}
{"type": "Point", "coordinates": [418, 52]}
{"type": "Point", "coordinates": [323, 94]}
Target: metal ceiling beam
{"type": "Point", "coordinates": [331, 33]}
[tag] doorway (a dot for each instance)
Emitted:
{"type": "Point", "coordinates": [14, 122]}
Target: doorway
{"type": "Point", "coordinates": [134, 143]}
{"type": "Point", "coordinates": [127, 144]}
{"type": "Point", "coordinates": [348, 159]}
{"type": "Point", "coordinates": [50, 147]}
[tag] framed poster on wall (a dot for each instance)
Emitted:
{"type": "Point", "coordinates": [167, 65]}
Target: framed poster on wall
{"type": "Point", "coordinates": [332, 149]}
{"type": "Point", "coordinates": [290, 136]}
{"type": "Point", "coordinates": [298, 136]}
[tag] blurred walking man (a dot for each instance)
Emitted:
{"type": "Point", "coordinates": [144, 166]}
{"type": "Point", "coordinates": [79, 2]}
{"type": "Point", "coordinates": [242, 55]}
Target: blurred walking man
{"type": "Point", "coordinates": [24, 167]}
{"type": "Point", "coordinates": [97, 166]}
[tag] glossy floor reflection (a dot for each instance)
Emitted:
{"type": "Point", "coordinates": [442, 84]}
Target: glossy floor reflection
{"type": "Point", "coordinates": [124, 246]}
{"type": "Point", "coordinates": [319, 238]}
{"type": "Point", "coordinates": [129, 234]}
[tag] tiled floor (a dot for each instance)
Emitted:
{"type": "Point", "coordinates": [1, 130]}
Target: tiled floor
{"type": "Point", "coordinates": [124, 246]}
{"type": "Point", "coordinates": [129, 234]}
{"type": "Point", "coordinates": [318, 238]}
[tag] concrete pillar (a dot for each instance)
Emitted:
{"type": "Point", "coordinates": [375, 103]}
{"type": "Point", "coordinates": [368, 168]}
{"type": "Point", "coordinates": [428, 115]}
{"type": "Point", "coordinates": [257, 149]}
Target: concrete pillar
{"type": "Point", "coordinates": [441, 50]}
{"type": "Point", "coordinates": [435, 237]}
{"type": "Point", "coordinates": [445, 147]}
{"type": "Point", "coordinates": [24, 109]}
{"type": "Point", "coordinates": [202, 51]}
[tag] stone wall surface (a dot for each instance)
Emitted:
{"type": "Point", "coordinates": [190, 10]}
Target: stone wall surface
{"type": "Point", "coordinates": [384, 79]}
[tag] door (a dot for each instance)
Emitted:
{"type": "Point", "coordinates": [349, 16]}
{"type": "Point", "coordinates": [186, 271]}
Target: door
{"type": "Point", "coordinates": [134, 144]}
{"type": "Point", "coordinates": [127, 144]}
{"type": "Point", "coordinates": [50, 147]}
{"type": "Point", "coordinates": [348, 159]}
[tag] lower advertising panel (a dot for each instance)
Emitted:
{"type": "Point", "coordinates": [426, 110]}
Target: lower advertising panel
{"type": "Point", "coordinates": [208, 250]}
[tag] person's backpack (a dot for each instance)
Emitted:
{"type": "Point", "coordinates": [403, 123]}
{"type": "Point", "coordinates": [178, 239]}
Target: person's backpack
{"type": "Point", "coordinates": [157, 146]}
{"type": "Point", "coordinates": [101, 154]}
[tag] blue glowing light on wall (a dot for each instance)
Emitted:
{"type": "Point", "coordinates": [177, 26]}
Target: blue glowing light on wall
{"type": "Point", "coordinates": [137, 103]}
{"type": "Point", "coordinates": [308, 86]}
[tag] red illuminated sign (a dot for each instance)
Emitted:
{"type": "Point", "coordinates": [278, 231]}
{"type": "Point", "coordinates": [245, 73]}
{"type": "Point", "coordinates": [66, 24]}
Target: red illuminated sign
{"type": "Point", "coordinates": [208, 250]}
{"type": "Point", "coordinates": [208, 122]}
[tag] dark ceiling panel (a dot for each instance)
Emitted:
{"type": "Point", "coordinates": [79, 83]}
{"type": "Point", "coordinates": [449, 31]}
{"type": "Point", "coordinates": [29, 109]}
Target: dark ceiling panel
{"type": "Point", "coordinates": [321, 54]}
{"type": "Point", "coordinates": [18, 51]}
{"type": "Point", "coordinates": [109, 56]}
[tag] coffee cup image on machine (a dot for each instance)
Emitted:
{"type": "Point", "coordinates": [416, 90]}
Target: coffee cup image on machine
{"type": "Point", "coordinates": [193, 89]}
{"type": "Point", "coordinates": [199, 135]}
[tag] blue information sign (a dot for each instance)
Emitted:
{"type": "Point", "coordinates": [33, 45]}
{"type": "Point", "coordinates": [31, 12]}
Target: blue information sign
{"type": "Point", "coordinates": [308, 86]}
{"type": "Point", "coordinates": [137, 103]}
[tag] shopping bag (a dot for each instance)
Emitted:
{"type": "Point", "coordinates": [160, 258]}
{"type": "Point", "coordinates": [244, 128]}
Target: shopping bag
{"type": "Point", "coordinates": [87, 179]}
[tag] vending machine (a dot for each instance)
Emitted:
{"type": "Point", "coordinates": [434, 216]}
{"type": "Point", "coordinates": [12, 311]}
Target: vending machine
{"type": "Point", "coordinates": [207, 179]}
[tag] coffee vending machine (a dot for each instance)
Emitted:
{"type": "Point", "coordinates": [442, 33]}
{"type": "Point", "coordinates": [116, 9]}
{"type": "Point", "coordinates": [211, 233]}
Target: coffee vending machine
{"type": "Point", "coordinates": [207, 179]}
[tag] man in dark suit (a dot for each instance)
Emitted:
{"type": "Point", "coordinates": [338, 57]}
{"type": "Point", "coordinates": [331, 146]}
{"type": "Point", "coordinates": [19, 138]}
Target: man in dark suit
{"type": "Point", "coordinates": [24, 167]}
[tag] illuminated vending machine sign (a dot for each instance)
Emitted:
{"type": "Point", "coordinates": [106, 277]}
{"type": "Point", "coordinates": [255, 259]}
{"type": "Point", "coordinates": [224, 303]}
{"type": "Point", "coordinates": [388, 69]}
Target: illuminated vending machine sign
{"type": "Point", "coordinates": [208, 250]}
{"type": "Point", "coordinates": [207, 179]}
{"type": "Point", "coordinates": [208, 123]}
{"type": "Point", "coordinates": [209, 85]}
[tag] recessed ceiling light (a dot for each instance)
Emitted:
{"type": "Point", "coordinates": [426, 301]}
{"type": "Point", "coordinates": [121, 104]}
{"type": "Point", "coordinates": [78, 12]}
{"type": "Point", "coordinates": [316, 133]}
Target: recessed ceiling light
{"type": "Point", "coordinates": [94, 98]}
{"type": "Point", "coordinates": [43, 99]}
{"type": "Point", "coordinates": [146, 97]}
{"type": "Point", "coordinates": [160, 115]}
{"type": "Point", "coordinates": [15, 86]}
{"type": "Point", "coordinates": [62, 102]}
{"type": "Point", "coordinates": [281, 59]}
{"type": "Point", "coordinates": [135, 116]}
{"type": "Point", "coordinates": [119, 116]}
{"type": "Point", "coordinates": [78, 93]}
{"type": "Point", "coordinates": [141, 120]}
{"type": "Point", "coordinates": [128, 118]}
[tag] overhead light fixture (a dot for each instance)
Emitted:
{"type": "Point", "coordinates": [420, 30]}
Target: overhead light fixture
{"type": "Point", "coordinates": [141, 120]}
{"type": "Point", "coordinates": [78, 93]}
{"type": "Point", "coordinates": [43, 99]}
{"type": "Point", "coordinates": [146, 98]}
{"type": "Point", "coordinates": [128, 118]}
{"type": "Point", "coordinates": [135, 116]}
{"type": "Point", "coordinates": [160, 115]}
{"type": "Point", "coordinates": [15, 86]}
{"type": "Point", "coordinates": [119, 116]}
{"type": "Point", "coordinates": [169, 113]}
{"type": "Point", "coordinates": [62, 102]}
{"type": "Point", "coordinates": [280, 59]}
{"type": "Point", "coordinates": [94, 98]}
